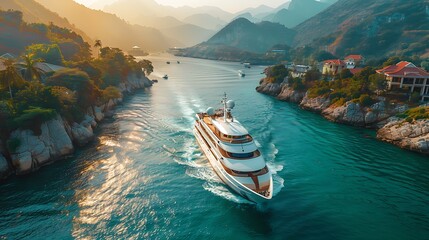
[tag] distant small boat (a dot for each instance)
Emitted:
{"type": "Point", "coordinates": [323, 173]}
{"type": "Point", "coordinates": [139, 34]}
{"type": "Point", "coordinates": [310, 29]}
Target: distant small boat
{"type": "Point", "coordinates": [168, 62]}
{"type": "Point", "coordinates": [241, 73]}
{"type": "Point", "coordinates": [165, 76]}
{"type": "Point", "coordinates": [246, 65]}
{"type": "Point", "coordinates": [178, 62]}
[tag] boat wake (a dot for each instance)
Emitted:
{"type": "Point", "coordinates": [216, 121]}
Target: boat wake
{"type": "Point", "coordinates": [219, 189]}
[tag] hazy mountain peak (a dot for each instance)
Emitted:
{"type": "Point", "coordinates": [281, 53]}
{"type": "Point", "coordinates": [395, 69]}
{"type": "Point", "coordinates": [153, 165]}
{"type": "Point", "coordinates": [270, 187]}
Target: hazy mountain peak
{"type": "Point", "coordinates": [243, 34]}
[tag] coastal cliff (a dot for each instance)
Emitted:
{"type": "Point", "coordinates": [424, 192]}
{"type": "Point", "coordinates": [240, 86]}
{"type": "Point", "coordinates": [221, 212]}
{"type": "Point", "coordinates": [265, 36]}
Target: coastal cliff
{"type": "Point", "coordinates": [281, 91]}
{"type": "Point", "coordinates": [57, 137]}
{"type": "Point", "coordinates": [408, 135]}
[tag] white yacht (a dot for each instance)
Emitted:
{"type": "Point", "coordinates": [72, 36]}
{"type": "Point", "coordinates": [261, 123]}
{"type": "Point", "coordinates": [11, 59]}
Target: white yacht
{"type": "Point", "coordinates": [233, 154]}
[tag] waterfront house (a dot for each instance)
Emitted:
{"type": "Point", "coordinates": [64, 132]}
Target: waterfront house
{"type": "Point", "coordinates": [333, 66]}
{"type": "Point", "coordinates": [353, 61]}
{"type": "Point", "coordinates": [405, 75]}
{"type": "Point", "coordinates": [298, 70]}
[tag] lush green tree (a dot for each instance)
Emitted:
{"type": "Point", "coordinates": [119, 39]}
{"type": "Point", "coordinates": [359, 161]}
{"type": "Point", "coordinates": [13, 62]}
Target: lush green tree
{"type": "Point", "coordinates": [64, 95]}
{"type": "Point", "coordinates": [94, 72]}
{"type": "Point", "coordinates": [31, 71]}
{"type": "Point", "coordinates": [365, 100]}
{"type": "Point", "coordinates": [35, 94]}
{"type": "Point", "coordinates": [312, 75]}
{"type": "Point", "coordinates": [425, 65]}
{"type": "Point", "coordinates": [111, 93]}
{"type": "Point", "coordinates": [33, 117]}
{"type": "Point", "coordinates": [345, 73]}
{"type": "Point", "coordinates": [276, 73]}
{"type": "Point", "coordinates": [10, 76]}
{"type": "Point", "coordinates": [50, 53]}
{"type": "Point", "coordinates": [79, 82]}
{"type": "Point", "coordinates": [98, 44]}
{"type": "Point", "coordinates": [296, 84]}
{"type": "Point", "coordinates": [116, 66]}
{"type": "Point", "coordinates": [147, 66]}
{"type": "Point", "coordinates": [377, 83]}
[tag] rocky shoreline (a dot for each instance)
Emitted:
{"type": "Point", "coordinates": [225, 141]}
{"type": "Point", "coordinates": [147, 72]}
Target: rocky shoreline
{"type": "Point", "coordinates": [413, 136]}
{"type": "Point", "coordinates": [58, 138]}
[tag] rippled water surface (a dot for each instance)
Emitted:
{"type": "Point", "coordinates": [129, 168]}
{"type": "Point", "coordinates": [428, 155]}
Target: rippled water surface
{"type": "Point", "coordinates": [145, 178]}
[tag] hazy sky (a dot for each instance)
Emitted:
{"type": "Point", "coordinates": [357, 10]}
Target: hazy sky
{"type": "Point", "coordinates": [228, 5]}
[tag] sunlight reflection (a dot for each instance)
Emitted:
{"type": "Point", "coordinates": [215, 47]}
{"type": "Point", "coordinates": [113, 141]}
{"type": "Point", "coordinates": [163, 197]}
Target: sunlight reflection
{"type": "Point", "coordinates": [103, 195]}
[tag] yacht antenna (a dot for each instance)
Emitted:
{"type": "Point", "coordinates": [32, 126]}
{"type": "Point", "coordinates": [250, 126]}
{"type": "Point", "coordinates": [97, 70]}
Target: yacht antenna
{"type": "Point", "coordinates": [224, 107]}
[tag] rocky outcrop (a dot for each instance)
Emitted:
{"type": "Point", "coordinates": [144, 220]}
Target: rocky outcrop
{"type": "Point", "coordinates": [268, 88]}
{"type": "Point", "coordinates": [290, 95]}
{"type": "Point", "coordinates": [408, 135]}
{"type": "Point", "coordinates": [413, 136]}
{"type": "Point", "coordinates": [35, 151]}
{"type": "Point", "coordinates": [353, 113]}
{"type": "Point", "coordinates": [135, 82]}
{"type": "Point", "coordinates": [350, 113]}
{"type": "Point", "coordinates": [317, 104]}
{"type": "Point", "coordinates": [83, 133]}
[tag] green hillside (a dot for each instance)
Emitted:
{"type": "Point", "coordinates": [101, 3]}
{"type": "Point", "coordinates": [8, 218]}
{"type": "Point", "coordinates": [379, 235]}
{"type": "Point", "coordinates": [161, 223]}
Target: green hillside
{"type": "Point", "coordinates": [34, 12]}
{"type": "Point", "coordinates": [297, 12]}
{"type": "Point", "coordinates": [373, 28]}
{"type": "Point", "coordinates": [251, 37]}
{"type": "Point", "coordinates": [21, 34]}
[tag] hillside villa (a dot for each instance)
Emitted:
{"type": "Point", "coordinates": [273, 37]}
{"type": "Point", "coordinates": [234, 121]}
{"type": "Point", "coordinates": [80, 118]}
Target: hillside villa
{"type": "Point", "coordinates": [353, 61]}
{"type": "Point", "coordinates": [405, 75]}
{"type": "Point", "coordinates": [298, 70]}
{"type": "Point", "coordinates": [333, 66]}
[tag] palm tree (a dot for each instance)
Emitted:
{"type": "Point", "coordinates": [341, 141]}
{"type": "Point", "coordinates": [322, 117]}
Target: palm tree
{"type": "Point", "coordinates": [10, 76]}
{"type": "Point", "coordinates": [32, 72]}
{"type": "Point", "coordinates": [98, 45]}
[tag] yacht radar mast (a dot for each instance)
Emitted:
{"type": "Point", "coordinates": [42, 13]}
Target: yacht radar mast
{"type": "Point", "coordinates": [228, 105]}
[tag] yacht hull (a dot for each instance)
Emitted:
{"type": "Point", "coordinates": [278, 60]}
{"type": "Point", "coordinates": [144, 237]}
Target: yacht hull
{"type": "Point", "coordinates": [227, 178]}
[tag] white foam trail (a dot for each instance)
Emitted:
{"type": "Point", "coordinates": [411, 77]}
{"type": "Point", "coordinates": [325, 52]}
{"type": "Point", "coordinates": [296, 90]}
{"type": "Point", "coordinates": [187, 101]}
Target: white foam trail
{"type": "Point", "coordinates": [222, 191]}
{"type": "Point", "coordinates": [257, 143]}
{"type": "Point", "coordinates": [274, 168]}
{"type": "Point", "coordinates": [278, 183]}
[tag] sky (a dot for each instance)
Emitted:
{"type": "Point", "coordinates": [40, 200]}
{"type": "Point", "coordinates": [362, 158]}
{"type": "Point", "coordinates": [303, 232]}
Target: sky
{"type": "Point", "coordinates": [228, 5]}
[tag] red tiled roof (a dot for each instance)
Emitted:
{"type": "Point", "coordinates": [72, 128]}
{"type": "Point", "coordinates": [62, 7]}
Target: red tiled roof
{"type": "Point", "coordinates": [355, 57]}
{"type": "Point", "coordinates": [403, 69]}
{"type": "Point", "coordinates": [335, 61]}
{"type": "Point", "coordinates": [403, 64]}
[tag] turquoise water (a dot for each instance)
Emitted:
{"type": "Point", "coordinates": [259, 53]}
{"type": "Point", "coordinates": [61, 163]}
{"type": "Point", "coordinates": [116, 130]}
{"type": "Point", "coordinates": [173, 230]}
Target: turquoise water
{"type": "Point", "coordinates": [145, 178]}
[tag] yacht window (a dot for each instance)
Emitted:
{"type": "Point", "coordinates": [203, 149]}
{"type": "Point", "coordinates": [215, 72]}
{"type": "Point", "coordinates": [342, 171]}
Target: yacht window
{"type": "Point", "coordinates": [241, 155]}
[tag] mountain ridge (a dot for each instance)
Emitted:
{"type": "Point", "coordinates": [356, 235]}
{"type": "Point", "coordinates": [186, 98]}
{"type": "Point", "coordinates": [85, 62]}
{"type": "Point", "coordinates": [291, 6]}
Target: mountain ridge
{"type": "Point", "coordinates": [34, 12]}
{"type": "Point", "coordinates": [112, 30]}
{"type": "Point", "coordinates": [376, 28]}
